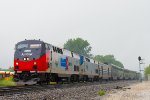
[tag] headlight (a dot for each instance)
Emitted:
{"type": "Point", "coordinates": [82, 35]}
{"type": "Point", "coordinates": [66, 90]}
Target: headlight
{"type": "Point", "coordinates": [34, 63]}
{"type": "Point", "coordinates": [24, 59]}
{"type": "Point", "coordinates": [27, 58]}
{"type": "Point", "coordinates": [17, 63]}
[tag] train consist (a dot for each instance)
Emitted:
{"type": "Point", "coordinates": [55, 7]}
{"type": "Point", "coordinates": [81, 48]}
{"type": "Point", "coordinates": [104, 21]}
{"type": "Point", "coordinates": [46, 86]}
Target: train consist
{"type": "Point", "coordinates": [42, 62]}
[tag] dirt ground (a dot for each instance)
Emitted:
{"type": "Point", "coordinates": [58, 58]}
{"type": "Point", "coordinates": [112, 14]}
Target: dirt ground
{"type": "Point", "coordinates": [139, 91]}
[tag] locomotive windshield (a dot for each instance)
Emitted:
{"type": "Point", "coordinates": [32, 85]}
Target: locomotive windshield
{"type": "Point", "coordinates": [20, 46]}
{"type": "Point", "coordinates": [35, 45]}
{"type": "Point", "coordinates": [24, 46]}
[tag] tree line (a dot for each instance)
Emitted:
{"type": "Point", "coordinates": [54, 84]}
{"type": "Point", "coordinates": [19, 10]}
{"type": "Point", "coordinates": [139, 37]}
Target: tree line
{"type": "Point", "coordinates": [146, 72]}
{"type": "Point", "coordinates": [83, 47]}
{"type": "Point", "coordinates": [9, 69]}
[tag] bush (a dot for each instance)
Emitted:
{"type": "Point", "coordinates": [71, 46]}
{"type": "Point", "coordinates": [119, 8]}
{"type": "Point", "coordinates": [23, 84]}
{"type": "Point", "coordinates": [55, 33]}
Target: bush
{"type": "Point", "coordinates": [147, 71]}
{"type": "Point", "coordinates": [101, 92]}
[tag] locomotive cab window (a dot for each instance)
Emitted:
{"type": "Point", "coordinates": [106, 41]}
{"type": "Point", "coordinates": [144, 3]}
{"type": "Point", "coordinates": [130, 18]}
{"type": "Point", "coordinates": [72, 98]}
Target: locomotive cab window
{"type": "Point", "coordinates": [21, 46]}
{"type": "Point", "coordinates": [47, 47]}
{"type": "Point", "coordinates": [35, 45]}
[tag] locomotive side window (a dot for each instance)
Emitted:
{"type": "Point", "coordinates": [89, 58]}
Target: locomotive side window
{"type": "Point", "coordinates": [48, 47]}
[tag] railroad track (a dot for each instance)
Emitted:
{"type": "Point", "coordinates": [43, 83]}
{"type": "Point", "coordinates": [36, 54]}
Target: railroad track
{"type": "Point", "coordinates": [23, 90]}
{"type": "Point", "coordinates": [20, 89]}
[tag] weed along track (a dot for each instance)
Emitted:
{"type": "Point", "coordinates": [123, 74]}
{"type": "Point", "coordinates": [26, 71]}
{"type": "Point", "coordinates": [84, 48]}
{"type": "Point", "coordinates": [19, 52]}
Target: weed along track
{"type": "Point", "coordinates": [73, 91]}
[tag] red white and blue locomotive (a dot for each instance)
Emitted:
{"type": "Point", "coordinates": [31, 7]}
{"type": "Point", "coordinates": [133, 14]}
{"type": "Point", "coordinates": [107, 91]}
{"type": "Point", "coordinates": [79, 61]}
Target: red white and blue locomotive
{"type": "Point", "coordinates": [42, 62]}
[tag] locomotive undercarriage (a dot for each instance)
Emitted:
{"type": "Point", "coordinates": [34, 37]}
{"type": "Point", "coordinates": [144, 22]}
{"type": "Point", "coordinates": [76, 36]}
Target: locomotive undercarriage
{"type": "Point", "coordinates": [42, 78]}
{"type": "Point", "coordinates": [26, 76]}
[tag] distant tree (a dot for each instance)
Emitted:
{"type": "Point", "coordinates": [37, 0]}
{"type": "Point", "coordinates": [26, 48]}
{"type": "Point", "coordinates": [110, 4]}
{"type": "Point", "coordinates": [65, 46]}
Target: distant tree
{"type": "Point", "coordinates": [147, 71]}
{"type": "Point", "coordinates": [79, 46]}
{"type": "Point", "coordinates": [99, 58]}
{"type": "Point", "coordinates": [11, 69]}
{"type": "Point", "coordinates": [109, 59]}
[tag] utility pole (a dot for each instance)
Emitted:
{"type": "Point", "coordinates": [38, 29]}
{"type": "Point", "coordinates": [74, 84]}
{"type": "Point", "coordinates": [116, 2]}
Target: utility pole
{"type": "Point", "coordinates": [140, 62]}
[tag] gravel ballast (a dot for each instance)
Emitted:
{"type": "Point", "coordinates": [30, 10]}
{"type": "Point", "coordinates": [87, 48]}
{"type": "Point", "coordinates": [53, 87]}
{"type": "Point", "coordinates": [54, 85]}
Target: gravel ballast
{"type": "Point", "coordinates": [80, 91]}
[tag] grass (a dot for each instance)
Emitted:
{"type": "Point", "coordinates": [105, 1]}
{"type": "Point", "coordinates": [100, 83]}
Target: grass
{"type": "Point", "coordinates": [101, 92]}
{"type": "Point", "coordinates": [7, 82]}
{"type": "Point", "coordinates": [53, 83]}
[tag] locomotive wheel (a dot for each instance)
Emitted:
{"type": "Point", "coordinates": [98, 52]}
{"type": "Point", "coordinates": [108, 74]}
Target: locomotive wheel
{"type": "Point", "coordinates": [74, 78]}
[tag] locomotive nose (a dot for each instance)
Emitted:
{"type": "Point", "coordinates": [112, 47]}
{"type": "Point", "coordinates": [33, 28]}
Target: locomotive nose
{"type": "Point", "coordinates": [26, 65]}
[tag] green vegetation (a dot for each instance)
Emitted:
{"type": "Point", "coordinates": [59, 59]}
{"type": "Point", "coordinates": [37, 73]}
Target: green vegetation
{"type": "Point", "coordinates": [101, 92]}
{"type": "Point", "coordinates": [147, 71]}
{"type": "Point", "coordinates": [83, 47]}
{"type": "Point", "coordinates": [109, 59]}
{"type": "Point", "coordinates": [79, 46]}
{"type": "Point", "coordinates": [7, 82]}
{"type": "Point", "coordinates": [11, 69]}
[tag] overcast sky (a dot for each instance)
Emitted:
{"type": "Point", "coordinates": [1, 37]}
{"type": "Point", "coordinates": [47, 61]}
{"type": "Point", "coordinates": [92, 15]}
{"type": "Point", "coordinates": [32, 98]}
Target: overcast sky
{"type": "Point", "coordinates": [118, 27]}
